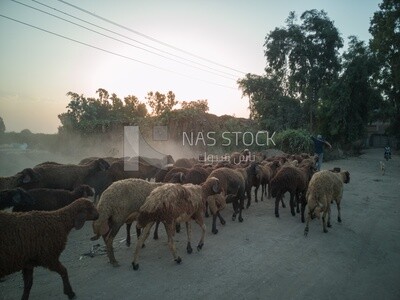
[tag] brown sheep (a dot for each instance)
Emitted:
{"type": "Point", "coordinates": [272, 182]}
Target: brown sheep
{"type": "Point", "coordinates": [13, 197]}
{"type": "Point", "coordinates": [295, 181]}
{"type": "Point", "coordinates": [172, 203]}
{"type": "Point", "coordinates": [53, 199]}
{"type": "Point", "coordinates": [66, 176]}
{"type": "Point", "coordinates": [22, 178]}
{"type": "Point", "coordinates": [184, 163]}
{"type": "Point", "coordinates": [233, 185]}
{"type": "Point", "coordinates": [325, 187]}
{"type": "Point", "coordinates": [38, 238]}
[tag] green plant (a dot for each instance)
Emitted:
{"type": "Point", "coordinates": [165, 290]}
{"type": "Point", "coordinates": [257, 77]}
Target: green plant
{"type": "Point", "coordinates": [294, 141]}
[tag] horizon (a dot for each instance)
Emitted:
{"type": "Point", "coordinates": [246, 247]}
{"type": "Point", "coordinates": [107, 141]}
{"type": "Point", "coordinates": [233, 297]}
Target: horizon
{"type": "Point", "coordinates": [38, 69]}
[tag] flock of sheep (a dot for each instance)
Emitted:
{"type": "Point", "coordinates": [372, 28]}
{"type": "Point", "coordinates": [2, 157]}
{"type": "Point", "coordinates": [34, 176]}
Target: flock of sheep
{"type": "Point", "coordinates": [51, 199]}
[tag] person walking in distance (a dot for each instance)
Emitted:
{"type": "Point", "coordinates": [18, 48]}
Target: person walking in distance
{"type": "Point", "coordinates": [319, 144]}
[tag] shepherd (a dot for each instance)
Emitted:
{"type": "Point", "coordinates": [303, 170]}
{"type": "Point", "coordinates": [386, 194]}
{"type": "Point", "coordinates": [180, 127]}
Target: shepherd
{"type": "Point", "coordinates": [319, 144]}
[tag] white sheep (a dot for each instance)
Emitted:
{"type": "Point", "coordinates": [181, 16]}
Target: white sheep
{"type": "Point", "coordinates": [173, 203]}
{"type": "Point", "coordinates": [119, 204]}
{"type": "Point", "coordinates": [324, 188]}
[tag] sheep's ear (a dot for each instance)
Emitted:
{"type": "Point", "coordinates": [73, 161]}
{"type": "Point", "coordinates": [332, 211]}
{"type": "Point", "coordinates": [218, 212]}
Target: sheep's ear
{"type": "Point", "coordinates": [79, 220]}
{"type": "Point", "coordinates": [215, 187]}
{"type": "Point", "coordinates": [26, 179]}
{"type": "Point", "coordinates": [181, 177]}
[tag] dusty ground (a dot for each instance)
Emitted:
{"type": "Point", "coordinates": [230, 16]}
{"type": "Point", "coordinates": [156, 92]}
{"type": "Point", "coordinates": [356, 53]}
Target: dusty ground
{"type": "Point", "coordinates": [261, 258]}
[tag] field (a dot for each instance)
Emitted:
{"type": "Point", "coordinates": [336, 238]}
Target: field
{"type": "Point", "coordinates": [262, 258]}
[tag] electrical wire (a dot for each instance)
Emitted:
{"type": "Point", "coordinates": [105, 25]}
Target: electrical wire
{"type": "Point", "coordinates": [113, 53]}
{"type": "Point", "coordinates": [118, 40]}
{"type": "Point", "coordinates": [148, 37]}
{"type": "Point", "coordinates": [136, 41]}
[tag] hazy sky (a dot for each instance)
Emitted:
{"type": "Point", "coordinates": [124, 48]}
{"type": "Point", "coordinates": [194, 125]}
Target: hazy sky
{"type": "Point", "coordinates": [37, 69]}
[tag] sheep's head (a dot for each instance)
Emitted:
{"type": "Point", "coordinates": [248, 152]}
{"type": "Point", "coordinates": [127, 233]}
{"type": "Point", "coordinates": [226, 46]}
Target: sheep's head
{"type": "Point", "coordinates": [315, 212]}
{"type": "Point", "coordinates": [84, 211]}
{"type": "Point", "coordinates": [27, 176]}
{"type": "Point", "coordinates": [345, 176]}
{"type": "Point", "coordinates": [15, 197]}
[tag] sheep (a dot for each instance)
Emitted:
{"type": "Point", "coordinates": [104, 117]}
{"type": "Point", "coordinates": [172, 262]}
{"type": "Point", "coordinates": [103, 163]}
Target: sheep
{"type": "Point", "coordinates": [194, 175]}
{"type": "Point", "coordinates": [53, 199]}
{"type": "Point", "coordinates": [118, 170]}
{"type": "Point", "coordinates": [15, 197]}
{"type": "Point", "coordinates": [325, 186]}
{"type": "Point", "coordinates": [168, 177]}
{"type": "Point", "coordinates": [295, 181]}
{"type": "Point", "coordinates": [232, 183]}
{"type": "Point", "coordinates": [20, 179]}
{"type": "Point", "coordinates": [118, 203]}
{"type": "Point", "coordinates": [66, 176]}
{"type": "Point", "coordinates": [37, 238]}
{"type": "Point", "coordinates": [183, 163]}
{"type": "Point", "coordinates": [172, 203]}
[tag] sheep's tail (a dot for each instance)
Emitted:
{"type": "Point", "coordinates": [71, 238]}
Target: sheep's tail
{"type": "Point", "coordinates": [161, 204]}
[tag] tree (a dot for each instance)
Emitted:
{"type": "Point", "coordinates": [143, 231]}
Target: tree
{"type": "Point", "coordinates": [385, 43]}
{"type": "Point", "coordinates": [161, 103]}
{"type": "Point", "coordinates": [268, 104]}
{"type": "Point", "coordinates": [2, 126]}
{"type": "Point", "coordinates": [304, 57]}
{"type": "Point", "coordinates": [350, 100]}
{"type": "Point", "coordinates": [91, 115]}
{"type": "Point", "coordinates": [198, 105]}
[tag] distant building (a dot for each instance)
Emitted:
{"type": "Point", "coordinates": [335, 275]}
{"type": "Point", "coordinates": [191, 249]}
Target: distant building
{"type": "Point", "coordinates": [377, 137]}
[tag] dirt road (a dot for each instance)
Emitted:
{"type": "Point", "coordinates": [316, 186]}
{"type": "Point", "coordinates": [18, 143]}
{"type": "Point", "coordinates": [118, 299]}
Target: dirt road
{"type": "Point", "coordinates": [261, 258]}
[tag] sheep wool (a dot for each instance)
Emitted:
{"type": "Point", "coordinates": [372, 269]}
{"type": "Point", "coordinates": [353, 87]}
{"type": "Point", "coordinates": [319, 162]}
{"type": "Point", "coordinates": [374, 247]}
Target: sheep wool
{"type": "Point", "coordinates": [324, 188]}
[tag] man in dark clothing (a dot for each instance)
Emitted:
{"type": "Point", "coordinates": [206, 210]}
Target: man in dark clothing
{"type": "Point", "coordinates": [319, 144]}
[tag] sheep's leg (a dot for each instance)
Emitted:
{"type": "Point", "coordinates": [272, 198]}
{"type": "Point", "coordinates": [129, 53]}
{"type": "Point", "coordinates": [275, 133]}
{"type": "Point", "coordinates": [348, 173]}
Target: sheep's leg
{"type": "Point", "coordinates": [248, 193]}
{"type": "Point", "coordinates": [221, 219]}
{"type": "Point", "coordinates": [262, 191]}
{"type": "Point", "coordinates": [338, 209]}
{"type": "Point", "coordinates": [189, 237]}
{"type": "Point", "coordinates": [283, 203]}
{"type": "Point", "coordinates": [206, 212]}
{"type": "Point", "coordinates": [292, 204]}
{"type": "Point", "coordinates": [324, 221]}
{"type": "Point", "coordinates": [27, 274]}
{"type": "Point", "coordinates": [255, 194]}
{"type": "Point", "coordinates": [60, 269]}
{"type": "Point", "coordinates": [199, 220]}
{"type": "Point", "coordinates": [234, 205]}
{"type": "Point", "coordinates": [108, 240]}
{"type": "Point", "coordinates": [329, 216]}
{"type": "Point", "coordinates": [214, 224]}
{"type": "Point", "coordinates": [277, 199]}
{"type": "Point", "coordinates": [169, 228]}
{"type": "Point", "coordinates": [178, 227]}
{"type": "Point", "coordinates": [303, 208]}
{"type": "Point", "coordinates": [155, 235]}
{"type": "Point", "coordinates": [307, 223]}
{"type": "Point", "coordinates": [128, 234]}
{"type": "Point", "coordinates": [269, 191]}
{"type": "Point", "coordinates": [241, 204]}
{"type": "Point", "coordinates": [297, 203]}
{"type": "Point", "coordinates": [139, 244]}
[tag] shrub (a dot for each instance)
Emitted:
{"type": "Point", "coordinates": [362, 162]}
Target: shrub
{"type": "Point", "coordinates": [294, 141]}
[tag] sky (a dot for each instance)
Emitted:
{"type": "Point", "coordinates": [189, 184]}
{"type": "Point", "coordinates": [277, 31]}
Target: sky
{"type": "Point", "coordinates": [197, 49]}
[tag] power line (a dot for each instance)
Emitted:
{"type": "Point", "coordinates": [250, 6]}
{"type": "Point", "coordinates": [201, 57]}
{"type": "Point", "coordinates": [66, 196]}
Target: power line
{"type": "Point", "coordinates": [136, 41]}
{"type": "Point", "coordinates": [149, 37]}
{"type": "Point", "coordinates": [113, 53]}
{"type": "Point", "coordinates": [118, 40]}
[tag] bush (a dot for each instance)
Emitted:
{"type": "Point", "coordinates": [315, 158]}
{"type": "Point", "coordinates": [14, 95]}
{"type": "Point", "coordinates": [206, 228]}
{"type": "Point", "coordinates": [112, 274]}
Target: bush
{"type": "Point", "coordinates": [294, 141]}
